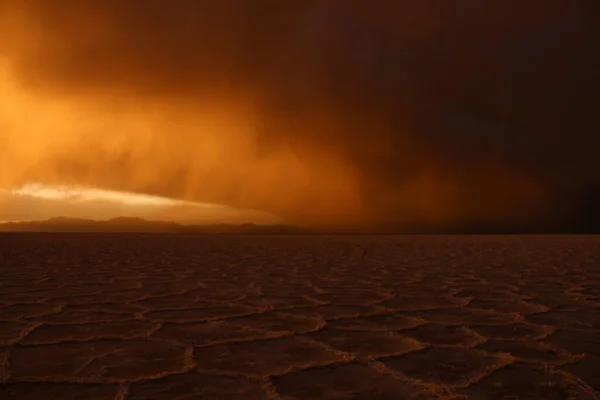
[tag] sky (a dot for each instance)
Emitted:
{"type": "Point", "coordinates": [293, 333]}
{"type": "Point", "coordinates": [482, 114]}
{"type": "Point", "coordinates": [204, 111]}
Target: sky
{"type": "Point", "coordinates": [391, 114]}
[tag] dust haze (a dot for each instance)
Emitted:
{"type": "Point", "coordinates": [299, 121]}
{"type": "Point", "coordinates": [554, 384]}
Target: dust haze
{"type": "Point", "coordinates": [380, 113]}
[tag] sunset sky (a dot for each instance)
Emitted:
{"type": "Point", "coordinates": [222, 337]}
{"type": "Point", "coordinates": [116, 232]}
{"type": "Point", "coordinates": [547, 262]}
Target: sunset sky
{"type": "Point", "coordinates": [382, 113]}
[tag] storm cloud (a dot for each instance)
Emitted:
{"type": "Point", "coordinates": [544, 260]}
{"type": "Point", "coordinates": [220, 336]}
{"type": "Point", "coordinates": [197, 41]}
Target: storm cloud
{"type": "Point", "coordinates": [382, 113]}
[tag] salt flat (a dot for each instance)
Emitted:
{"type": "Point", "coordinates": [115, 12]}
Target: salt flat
{"type": "Point", "coordinates": [101, 316]}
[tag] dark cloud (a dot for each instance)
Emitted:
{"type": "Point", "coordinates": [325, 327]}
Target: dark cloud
{"type": "Point", "coordinates": [429, 113]}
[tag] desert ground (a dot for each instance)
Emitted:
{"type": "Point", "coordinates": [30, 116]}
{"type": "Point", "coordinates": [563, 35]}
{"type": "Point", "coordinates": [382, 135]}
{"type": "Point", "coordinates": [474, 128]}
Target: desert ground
{"type": "Point", "coordinates": [153, 316]}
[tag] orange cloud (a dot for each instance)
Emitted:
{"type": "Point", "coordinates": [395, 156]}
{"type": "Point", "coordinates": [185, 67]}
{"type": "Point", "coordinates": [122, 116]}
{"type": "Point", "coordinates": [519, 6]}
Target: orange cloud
{"type": "Point", "coordinates": [316, 112]}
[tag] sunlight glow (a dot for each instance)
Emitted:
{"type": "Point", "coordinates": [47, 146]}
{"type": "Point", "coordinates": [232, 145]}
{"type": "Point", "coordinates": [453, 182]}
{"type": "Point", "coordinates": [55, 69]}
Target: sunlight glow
{"type": "Point", "coordinates": [74, 193]}
{"type": "Point", "coordinates": [39, 201]}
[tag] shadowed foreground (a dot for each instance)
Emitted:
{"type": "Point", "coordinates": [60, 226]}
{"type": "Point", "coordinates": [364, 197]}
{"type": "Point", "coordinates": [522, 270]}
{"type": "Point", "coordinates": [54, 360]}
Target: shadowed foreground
{"type": "Point", "coordinates": [101, 316]}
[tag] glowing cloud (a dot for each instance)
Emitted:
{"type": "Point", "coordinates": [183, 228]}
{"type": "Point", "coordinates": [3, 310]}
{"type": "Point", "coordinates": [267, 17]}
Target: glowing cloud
{"type": "Point", "coordinates": [35, 200]}
{"type": "Point", "coordinates": [85, 194]}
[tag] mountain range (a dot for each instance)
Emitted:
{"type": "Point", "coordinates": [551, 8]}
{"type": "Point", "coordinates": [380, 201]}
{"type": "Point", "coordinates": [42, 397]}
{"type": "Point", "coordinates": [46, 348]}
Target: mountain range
{"type": "Point", "coordinates": [139, 225]}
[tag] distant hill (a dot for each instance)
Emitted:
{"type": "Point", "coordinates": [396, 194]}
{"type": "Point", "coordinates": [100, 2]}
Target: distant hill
{"type": "Point", "coordinates": [139, 225]}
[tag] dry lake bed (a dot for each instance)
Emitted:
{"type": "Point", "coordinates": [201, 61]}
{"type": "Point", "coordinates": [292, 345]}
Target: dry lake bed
{"type": "Point", "coordinates": [125, 316]}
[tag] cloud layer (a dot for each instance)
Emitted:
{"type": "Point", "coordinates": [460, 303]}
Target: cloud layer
{"type": "Point", "coordinates": [328, 112]}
